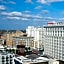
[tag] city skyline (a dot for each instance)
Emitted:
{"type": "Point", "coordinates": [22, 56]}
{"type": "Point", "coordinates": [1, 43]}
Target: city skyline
{"type": "Point", "coordinates": [17, 15]}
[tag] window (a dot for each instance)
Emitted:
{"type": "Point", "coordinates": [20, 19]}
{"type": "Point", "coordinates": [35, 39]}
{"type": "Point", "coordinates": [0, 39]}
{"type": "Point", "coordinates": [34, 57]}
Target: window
{"type": "Point", "coordinates": [58, 33]}
{"type": "Point", "coordinates": [3, 57]}
{"type": "Point", "coordinates": [61, 33]}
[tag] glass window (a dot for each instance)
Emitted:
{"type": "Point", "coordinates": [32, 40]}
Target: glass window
{"type": "Point", "coordinates": [3, 57]}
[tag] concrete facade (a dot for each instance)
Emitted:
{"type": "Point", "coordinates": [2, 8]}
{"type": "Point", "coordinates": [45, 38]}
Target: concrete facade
{"type": "Point", "coordinates": [54, 40]}
{"type": "Point", "coordinates": [22, 40]}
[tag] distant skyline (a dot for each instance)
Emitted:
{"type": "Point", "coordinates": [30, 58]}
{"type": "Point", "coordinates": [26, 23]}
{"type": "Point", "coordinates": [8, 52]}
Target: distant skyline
{"type": "Point", "coordinates": [19, 14]}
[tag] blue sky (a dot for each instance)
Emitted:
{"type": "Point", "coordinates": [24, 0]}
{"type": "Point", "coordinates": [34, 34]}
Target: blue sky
{"type": "Point", "coordinates": [19, 14]}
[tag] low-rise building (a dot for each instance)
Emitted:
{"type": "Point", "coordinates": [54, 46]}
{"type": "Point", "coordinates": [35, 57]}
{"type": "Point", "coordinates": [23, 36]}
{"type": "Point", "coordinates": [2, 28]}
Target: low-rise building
{"type": "Point", "coordinates": [23, 40]}
{"type": "Point", "coordinates": [9, 37]}
{"type": "Point", "coordinates": [24, 60]}
{"type": "Point", "coordinates": [6, 58]}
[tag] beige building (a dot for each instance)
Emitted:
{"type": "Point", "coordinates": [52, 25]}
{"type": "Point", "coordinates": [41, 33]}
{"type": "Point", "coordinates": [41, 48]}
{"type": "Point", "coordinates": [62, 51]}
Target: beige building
{"type": "Point", "coordinates": [23, 40]}
{"type": "Point", "coordinates": [9, 37]}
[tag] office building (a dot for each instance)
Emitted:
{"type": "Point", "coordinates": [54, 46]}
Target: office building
{"type": "Point", "coordinates": [54, 40]}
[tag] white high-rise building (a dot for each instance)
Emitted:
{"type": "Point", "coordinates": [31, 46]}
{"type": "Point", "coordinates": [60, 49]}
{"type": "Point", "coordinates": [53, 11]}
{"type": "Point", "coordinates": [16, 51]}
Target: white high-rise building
{"type": "Point", "coordinates": [54, 40]}
{"type": "Point", "coordinates": [37, 33]}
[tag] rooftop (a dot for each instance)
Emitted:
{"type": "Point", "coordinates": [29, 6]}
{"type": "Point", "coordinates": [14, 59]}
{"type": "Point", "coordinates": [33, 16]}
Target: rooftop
{"type": "Point", "coordinates": [54, 24]}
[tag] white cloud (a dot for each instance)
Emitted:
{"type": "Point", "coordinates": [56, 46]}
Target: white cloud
{"type": "Point", "coordinates": [37, 19]}
{"type": "Point", "coordinates": [28, 1]}
{"type": "Point", "coordinates": [55, 0]}
{"type": "Point", "coordinates": [7, 2]}
{"type": "Point", "coordinates": [48, 1]}
{"type": "Point", "coordinates": [44, 11]}
{"type": "Point", "coordinates": [38, 7]}
{"type": "Point", "coordinates": [42, 1]}
{"type": "Point", "coordinates": [16, 18]}
{"type": "Point", "coordinates": [61, 19]}
{"type": "Point", "coordinates": [12, 13]}
{"type": "Point", "coordinates": [11, 2]}
{"type": "Point", "coordinates": [16, 13]}
{"type": "Point", "coordinates": [32, 16]}
{"type": "Point", "coordinates": [25, 17]}
{"type": "Point", "coordinates": [4, 13]}
{"type": "Point", "coordinates": [26, 11]}
{"type": "Point", "coordinates": [2, 7]}
{"type": "Point", "coordinates": [37, 16]}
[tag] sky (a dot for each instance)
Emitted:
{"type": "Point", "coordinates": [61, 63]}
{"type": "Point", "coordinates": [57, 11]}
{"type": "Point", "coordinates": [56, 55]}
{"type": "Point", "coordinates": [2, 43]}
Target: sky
{"type": "Point", "coordinates": [19, 14]}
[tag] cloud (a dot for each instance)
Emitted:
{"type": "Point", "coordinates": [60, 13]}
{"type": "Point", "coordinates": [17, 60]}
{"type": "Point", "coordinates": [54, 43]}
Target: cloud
{"type": "Point", "coordinates": [12, 13]}
{"type": "Point", "coordinates": [38, 7]}
{"type": "Point", "coordinates": [45, 19]}
{"type": "Point", "coordinates": [48, 1]}
{"type": "Point", "coordinates": [37, 17]}
{"type": "Point", "coordinates": [11, 2]}
{"type": "Point", "coordinates": [2, 7]}
{"type": "Point", "coordinates": [7, 2]}
{"type": "Point", "coordinates": [16, 18]}
{"type": "Point", "coordinates": [26, 17]}
{"type": "Point", "coordinates": [61, 19]}
{"type": "Point", "coordinates": [42, 1]}
{"type": "Point", "coordinates": [26, 11]}
{"type": "Point", "coordinates": [44, 11]}
{"type": "Point", "coordinates": [54, 1]}
{"type": "Point", "coordinates": [28, 1]}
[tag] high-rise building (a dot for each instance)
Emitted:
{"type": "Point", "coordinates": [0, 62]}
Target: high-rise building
{"type": "Point", "coordinates": [54, 40]}
{"type": "Point", "coordinates": [37, 33]}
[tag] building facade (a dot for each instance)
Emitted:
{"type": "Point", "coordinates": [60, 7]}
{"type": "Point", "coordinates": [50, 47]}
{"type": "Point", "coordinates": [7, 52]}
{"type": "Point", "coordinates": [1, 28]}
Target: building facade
{"type": "Point", "coordinates": [6, 58]}
{"type": "Point", "coordinates": [23, 40]}
{"type": "Point", "coordinates": [54, 40]}
{"type": "Point", "coordinates": [9, 37]}
{"type": "Point", "coordinates": [37, 33]}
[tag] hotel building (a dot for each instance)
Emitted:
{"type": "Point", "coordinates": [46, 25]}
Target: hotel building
{"type": "Point", "coordinates": [54, 40]}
